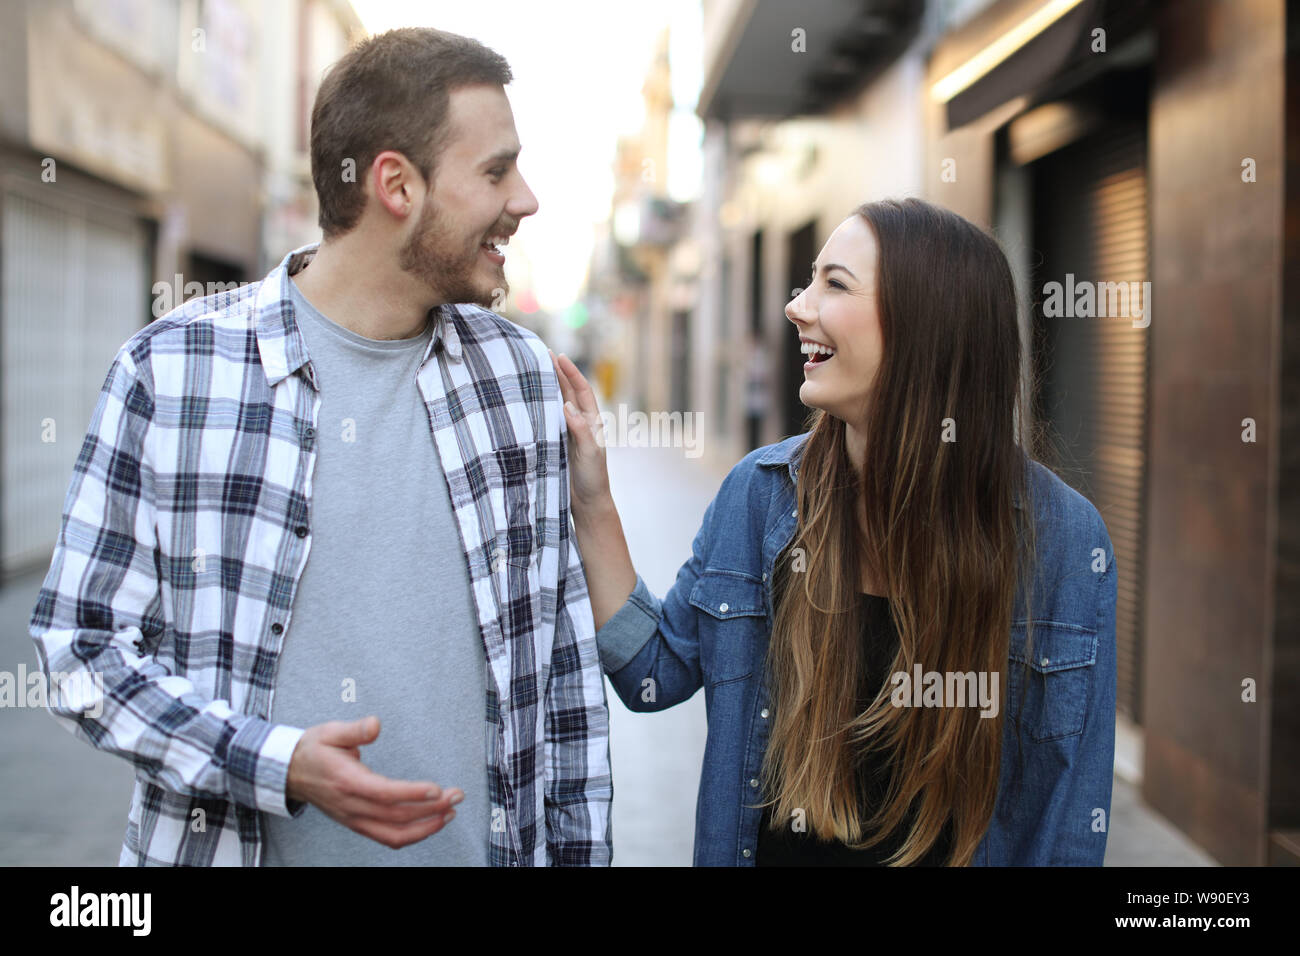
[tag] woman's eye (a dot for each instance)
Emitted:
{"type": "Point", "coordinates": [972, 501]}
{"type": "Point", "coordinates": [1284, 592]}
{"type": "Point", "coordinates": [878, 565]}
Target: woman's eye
{"type": "Point", "coordinates": [836, 284]}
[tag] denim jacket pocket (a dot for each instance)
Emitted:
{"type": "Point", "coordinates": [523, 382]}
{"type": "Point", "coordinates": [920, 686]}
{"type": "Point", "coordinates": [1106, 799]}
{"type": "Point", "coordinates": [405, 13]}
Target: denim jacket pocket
{"type": "Point", "coordinates": [733, 623]}
{"type": "Point", "coordinates": [1060, 669]}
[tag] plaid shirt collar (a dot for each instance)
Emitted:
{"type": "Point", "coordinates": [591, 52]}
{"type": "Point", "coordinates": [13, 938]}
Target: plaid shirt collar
{"type": "Point", "coordinates": [279, 340]}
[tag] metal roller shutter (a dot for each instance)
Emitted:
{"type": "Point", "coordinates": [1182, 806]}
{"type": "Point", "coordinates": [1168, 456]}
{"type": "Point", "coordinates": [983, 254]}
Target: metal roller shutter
{"type": "Point", "coordinates": [1092, 221]}
{"type": "Point", "coordinates": [74, 288]}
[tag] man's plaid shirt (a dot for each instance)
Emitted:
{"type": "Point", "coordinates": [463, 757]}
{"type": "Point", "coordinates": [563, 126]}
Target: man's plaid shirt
{"type": "Point", "coordinates": [187, 525]}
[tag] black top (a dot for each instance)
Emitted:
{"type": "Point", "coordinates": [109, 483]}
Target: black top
{"type": "Point", "coordinates": [786, 847]}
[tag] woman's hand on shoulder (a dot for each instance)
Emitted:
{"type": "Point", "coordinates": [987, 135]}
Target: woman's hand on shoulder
{"type": "Point", "coordinates": [588, 474]}
{"type": "Point", "coordinates": [608, 565]}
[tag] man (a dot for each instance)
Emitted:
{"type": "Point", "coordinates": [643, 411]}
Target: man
{"type": "Point", "coordinates": [333, 500]}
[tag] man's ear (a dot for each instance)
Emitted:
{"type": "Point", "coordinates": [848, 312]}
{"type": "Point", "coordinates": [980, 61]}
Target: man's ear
{"type": "Point", "coordinates": [394, 182]}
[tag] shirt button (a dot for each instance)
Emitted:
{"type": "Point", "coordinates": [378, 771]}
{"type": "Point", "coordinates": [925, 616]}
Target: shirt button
{"type": "Point", "coordinates": [795, 513]}
{"type": "Point", "coordinates": [753, 781]}
{"type": "Point", "coordinates": [763, 713]}
{"type": "Point", "coordinates": [764, 575]}
{"type": "Point", "coordinates": [724, 607]}
{"type": "Point", "coordinates": [1046, 662]}
{"type": "Point", "coordinates": [300, 531]}
{"type": "Point", "coordinates": [309, 433]}
{"type": "Point", "coordinates": [541, 469]}
{"type": "Point", "coordinates": [277, 628]}
{"type": "Point", "coordinates": [744, 853]}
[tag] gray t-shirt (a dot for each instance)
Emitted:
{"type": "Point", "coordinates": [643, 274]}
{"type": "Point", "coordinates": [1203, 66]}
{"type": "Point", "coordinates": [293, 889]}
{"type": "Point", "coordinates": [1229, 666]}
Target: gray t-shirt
{"type": "Point", "coordinates": [383, 621]}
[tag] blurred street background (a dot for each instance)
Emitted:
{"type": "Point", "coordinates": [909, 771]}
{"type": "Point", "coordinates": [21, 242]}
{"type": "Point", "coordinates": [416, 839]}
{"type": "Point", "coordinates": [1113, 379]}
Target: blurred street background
{"type": "Point", "coordinates": [690, 158]}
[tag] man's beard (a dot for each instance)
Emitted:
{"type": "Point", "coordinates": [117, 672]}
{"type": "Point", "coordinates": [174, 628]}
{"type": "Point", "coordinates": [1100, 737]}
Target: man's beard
{"type": "Point", "coordinates": [433, 256]}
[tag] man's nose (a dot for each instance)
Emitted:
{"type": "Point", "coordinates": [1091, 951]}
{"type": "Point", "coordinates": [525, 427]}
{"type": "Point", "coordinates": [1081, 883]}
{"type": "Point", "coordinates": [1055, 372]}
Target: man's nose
{"type": "Point", "coordinates": [525, 203]}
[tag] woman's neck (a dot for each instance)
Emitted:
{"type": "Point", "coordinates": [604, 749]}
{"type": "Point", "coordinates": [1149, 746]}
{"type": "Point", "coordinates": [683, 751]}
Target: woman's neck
{"type": "Point", "coordinates": [855, 442]}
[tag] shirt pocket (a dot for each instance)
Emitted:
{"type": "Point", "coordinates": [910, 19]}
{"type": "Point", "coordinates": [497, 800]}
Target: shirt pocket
{"type": "Point", "coordinates": [732, 623]}
{"type": "Point", "coordinates": [1050, 682]}
{"type": "Point", "coordinates": [511, 493]}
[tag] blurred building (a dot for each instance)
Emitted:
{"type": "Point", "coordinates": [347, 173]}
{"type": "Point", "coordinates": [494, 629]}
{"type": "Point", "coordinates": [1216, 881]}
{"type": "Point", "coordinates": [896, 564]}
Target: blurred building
{"type": "Point", "coordinates": [300, 39]}
{"type": "Point", "coordinates": [808, 111]}
{"type": "Point", "coordinates": [150, 150]}
{"type": "Point", "coordinates": [1103, 142]}
{"type": "Point", "coordinates": [644, 264]}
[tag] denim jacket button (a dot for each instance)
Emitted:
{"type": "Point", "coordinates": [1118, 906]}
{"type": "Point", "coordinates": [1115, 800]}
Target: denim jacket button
{"type": "Point", "coordinates": [724, 607]}
{"type": "Point", "coordinates": [763, 713]}
{"type": "Point", "coordinates": [753, 781]}
{"type": "Point", "coordinates": [744, 853]}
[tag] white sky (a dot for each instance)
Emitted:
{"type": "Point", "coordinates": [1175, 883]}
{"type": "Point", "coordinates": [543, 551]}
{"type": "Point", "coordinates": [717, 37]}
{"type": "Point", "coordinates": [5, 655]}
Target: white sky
{"type": "Point", "coordinates": [578, 70]}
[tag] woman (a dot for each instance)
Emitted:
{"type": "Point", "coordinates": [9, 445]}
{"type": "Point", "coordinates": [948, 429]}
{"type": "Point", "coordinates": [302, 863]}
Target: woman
{"type": "Point", "coordinates": [899, 667]}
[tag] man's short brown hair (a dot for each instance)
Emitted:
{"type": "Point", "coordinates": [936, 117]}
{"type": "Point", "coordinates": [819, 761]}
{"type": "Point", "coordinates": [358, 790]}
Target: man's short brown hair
{"type": "Point", "coordinates": [390, 91]}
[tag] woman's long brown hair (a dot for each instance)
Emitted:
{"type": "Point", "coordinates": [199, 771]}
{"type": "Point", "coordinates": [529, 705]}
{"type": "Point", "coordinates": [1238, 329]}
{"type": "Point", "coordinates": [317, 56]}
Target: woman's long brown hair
{"type": "Point", "coordinates": [941, 535]}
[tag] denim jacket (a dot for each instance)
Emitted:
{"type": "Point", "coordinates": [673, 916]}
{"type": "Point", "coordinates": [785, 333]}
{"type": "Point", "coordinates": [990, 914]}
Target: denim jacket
{"type": "Point", "coordinates": [712, 631]}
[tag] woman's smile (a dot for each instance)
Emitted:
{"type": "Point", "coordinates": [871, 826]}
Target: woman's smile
{"type": "Point", "coordinates": [818, 353]}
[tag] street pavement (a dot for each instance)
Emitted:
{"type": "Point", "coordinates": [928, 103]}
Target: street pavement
{"type": "Point", "coordinates": [661, 496]}
{"type": "Point", "coordinates": [63, 803]}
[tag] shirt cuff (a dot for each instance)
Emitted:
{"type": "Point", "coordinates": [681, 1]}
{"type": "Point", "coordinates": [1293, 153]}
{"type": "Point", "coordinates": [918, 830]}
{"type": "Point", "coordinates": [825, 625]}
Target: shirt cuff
{"type": "Point", "coordinates": [274, 752]}
{"type": "Point", "coordinates": [621, 637]}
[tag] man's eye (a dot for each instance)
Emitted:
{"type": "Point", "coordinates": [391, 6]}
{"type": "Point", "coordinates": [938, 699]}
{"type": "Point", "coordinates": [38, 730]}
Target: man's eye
{"type": "Point", "coordinates": [497, 173]}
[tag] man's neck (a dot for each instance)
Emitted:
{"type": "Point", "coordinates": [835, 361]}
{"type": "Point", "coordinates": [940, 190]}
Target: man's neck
{"type": "Point", "coordinates": [364, 291]}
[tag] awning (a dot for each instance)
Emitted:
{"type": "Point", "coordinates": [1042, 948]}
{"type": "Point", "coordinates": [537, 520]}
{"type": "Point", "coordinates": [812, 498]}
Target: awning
{"type": "Point", "coordinates": [779, 59]}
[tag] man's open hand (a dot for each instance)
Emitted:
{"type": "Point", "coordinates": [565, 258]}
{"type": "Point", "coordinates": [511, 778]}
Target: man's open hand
{"type": "Point", "coordinates": [327, 772]}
